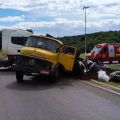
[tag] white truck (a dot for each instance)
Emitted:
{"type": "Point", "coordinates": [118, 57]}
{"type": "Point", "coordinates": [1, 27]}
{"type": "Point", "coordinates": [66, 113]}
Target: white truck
{"type": "Point", "coordinates": [12, 40]}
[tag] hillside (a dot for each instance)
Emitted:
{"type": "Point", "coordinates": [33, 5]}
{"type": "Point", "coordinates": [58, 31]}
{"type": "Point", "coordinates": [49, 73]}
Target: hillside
{"type": "Point", "coordinates": [92, 39]}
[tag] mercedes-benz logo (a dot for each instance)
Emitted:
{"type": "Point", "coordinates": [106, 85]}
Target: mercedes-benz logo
{"type": "Point", "coordinates": [31, 61]}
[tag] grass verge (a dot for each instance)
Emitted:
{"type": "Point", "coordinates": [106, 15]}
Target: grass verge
{"type": "Point", "coordinates": [113, 83]}
{"type": "Point", "coordinates": [114, 66]}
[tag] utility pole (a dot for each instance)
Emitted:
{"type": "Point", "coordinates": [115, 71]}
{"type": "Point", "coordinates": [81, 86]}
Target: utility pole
{"type": "Point", "coordinates": [85, 8]}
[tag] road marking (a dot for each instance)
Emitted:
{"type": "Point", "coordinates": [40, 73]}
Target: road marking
{"type": "Point", "coordinates": [101, 87]}
{"type": "Point", "coordinates": [105, 84]}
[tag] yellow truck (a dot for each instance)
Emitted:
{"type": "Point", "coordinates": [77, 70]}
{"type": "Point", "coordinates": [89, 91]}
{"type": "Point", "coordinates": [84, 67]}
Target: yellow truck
{"type": "Point", "coordinates": [45, 56]}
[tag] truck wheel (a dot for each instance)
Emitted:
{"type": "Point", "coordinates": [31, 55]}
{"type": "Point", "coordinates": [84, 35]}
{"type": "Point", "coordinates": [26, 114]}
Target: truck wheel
{"type": "Point", "coordinates": [57, 76]}
{"type": "Point", "coordinates": [110, 62]}
{"type": "Point", "coordinates": [19, 76]}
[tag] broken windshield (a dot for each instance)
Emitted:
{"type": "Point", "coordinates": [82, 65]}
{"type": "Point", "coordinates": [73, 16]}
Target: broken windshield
{"type": "Point", "coordinates": [46, 44]}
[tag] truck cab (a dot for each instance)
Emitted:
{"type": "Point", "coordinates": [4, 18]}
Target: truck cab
{"type": "Point", "coordinates": [44, 56]}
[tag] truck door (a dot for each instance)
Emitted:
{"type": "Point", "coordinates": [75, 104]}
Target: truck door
{"type": "Point", "coordinates": [111, 50]}
{"type": "Point", "coordinates": [67, 57]}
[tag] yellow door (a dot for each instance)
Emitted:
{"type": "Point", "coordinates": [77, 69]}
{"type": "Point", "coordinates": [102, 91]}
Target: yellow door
{"type": "Point", "coordinates": [67, 57]}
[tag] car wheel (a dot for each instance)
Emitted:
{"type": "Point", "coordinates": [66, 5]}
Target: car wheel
{"type": "Point", "coordinates": [19, 76]}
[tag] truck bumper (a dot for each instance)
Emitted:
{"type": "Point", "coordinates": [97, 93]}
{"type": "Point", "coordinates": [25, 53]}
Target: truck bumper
{"type": "Point", "coordinates": [33, 70]}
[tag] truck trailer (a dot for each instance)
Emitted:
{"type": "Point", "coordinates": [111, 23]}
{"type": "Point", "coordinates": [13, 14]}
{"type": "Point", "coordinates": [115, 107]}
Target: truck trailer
{"type": "Point", "coordinates": [12, 40]}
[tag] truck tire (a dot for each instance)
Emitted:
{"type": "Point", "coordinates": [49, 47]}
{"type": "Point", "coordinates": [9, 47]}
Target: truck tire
{"type": "Point", "coordinates": [57, 76]}
{"type": "Point", "coordinates": [110, 62]}
{"type": "Point", "coordinates": [19, 76]}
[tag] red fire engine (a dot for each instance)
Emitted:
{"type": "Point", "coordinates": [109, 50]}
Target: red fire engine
{"type": "Point", "coordinates": [106, 52]}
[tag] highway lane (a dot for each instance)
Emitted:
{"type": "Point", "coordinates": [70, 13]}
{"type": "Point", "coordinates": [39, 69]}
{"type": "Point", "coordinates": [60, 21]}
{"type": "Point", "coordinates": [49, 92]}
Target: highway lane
{"type": "Point", "coordinates": [68, 99]}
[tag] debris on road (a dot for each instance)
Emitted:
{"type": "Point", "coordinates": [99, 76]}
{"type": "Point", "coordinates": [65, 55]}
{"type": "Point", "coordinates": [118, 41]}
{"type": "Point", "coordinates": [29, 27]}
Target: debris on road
{"type": "Point", "coordinates": [103, 76]}
{"type": "Point", "coordinates": [95, 71]}
{"type": "Point", "coordinates": [115, 75]}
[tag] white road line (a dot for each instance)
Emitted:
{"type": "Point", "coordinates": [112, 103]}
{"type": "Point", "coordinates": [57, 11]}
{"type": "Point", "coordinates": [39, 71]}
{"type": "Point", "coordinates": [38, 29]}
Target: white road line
{"type": "Point", "coordinates": [106, 85]}
{"type": "Point", "coordinates": [101, 87]}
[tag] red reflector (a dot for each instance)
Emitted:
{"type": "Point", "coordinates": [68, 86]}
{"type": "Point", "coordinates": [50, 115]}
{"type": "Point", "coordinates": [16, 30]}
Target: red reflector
{"type": "Point", "coordinates": [44, 72]}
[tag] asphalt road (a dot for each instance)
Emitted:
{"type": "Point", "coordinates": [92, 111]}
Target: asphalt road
{"type": "Point", "coordinates": [67, 100]}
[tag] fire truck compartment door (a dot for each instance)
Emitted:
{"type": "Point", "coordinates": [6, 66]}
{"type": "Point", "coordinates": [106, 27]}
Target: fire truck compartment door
{"type": "Point", "coordinates": [111, 50]}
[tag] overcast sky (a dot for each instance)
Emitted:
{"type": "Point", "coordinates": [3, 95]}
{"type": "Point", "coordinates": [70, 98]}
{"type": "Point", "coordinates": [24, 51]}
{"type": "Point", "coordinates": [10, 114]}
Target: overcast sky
{"type": "Point", "coordinates": [60, 17]}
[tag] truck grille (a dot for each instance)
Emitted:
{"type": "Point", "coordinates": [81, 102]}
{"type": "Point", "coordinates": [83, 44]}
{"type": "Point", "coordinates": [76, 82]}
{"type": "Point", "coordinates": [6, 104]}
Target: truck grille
{"type": "Point", "coordinates": [33, 62]}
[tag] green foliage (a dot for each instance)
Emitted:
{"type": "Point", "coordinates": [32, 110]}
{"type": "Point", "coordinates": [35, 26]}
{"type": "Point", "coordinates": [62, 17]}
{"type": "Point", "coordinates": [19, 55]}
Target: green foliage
{"type": "Point", "coordinates": [114, 66]}
{"type": "Point", "coordinates": [113, 83]}
{"type": "Point", "coordinates": [92, 39]}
